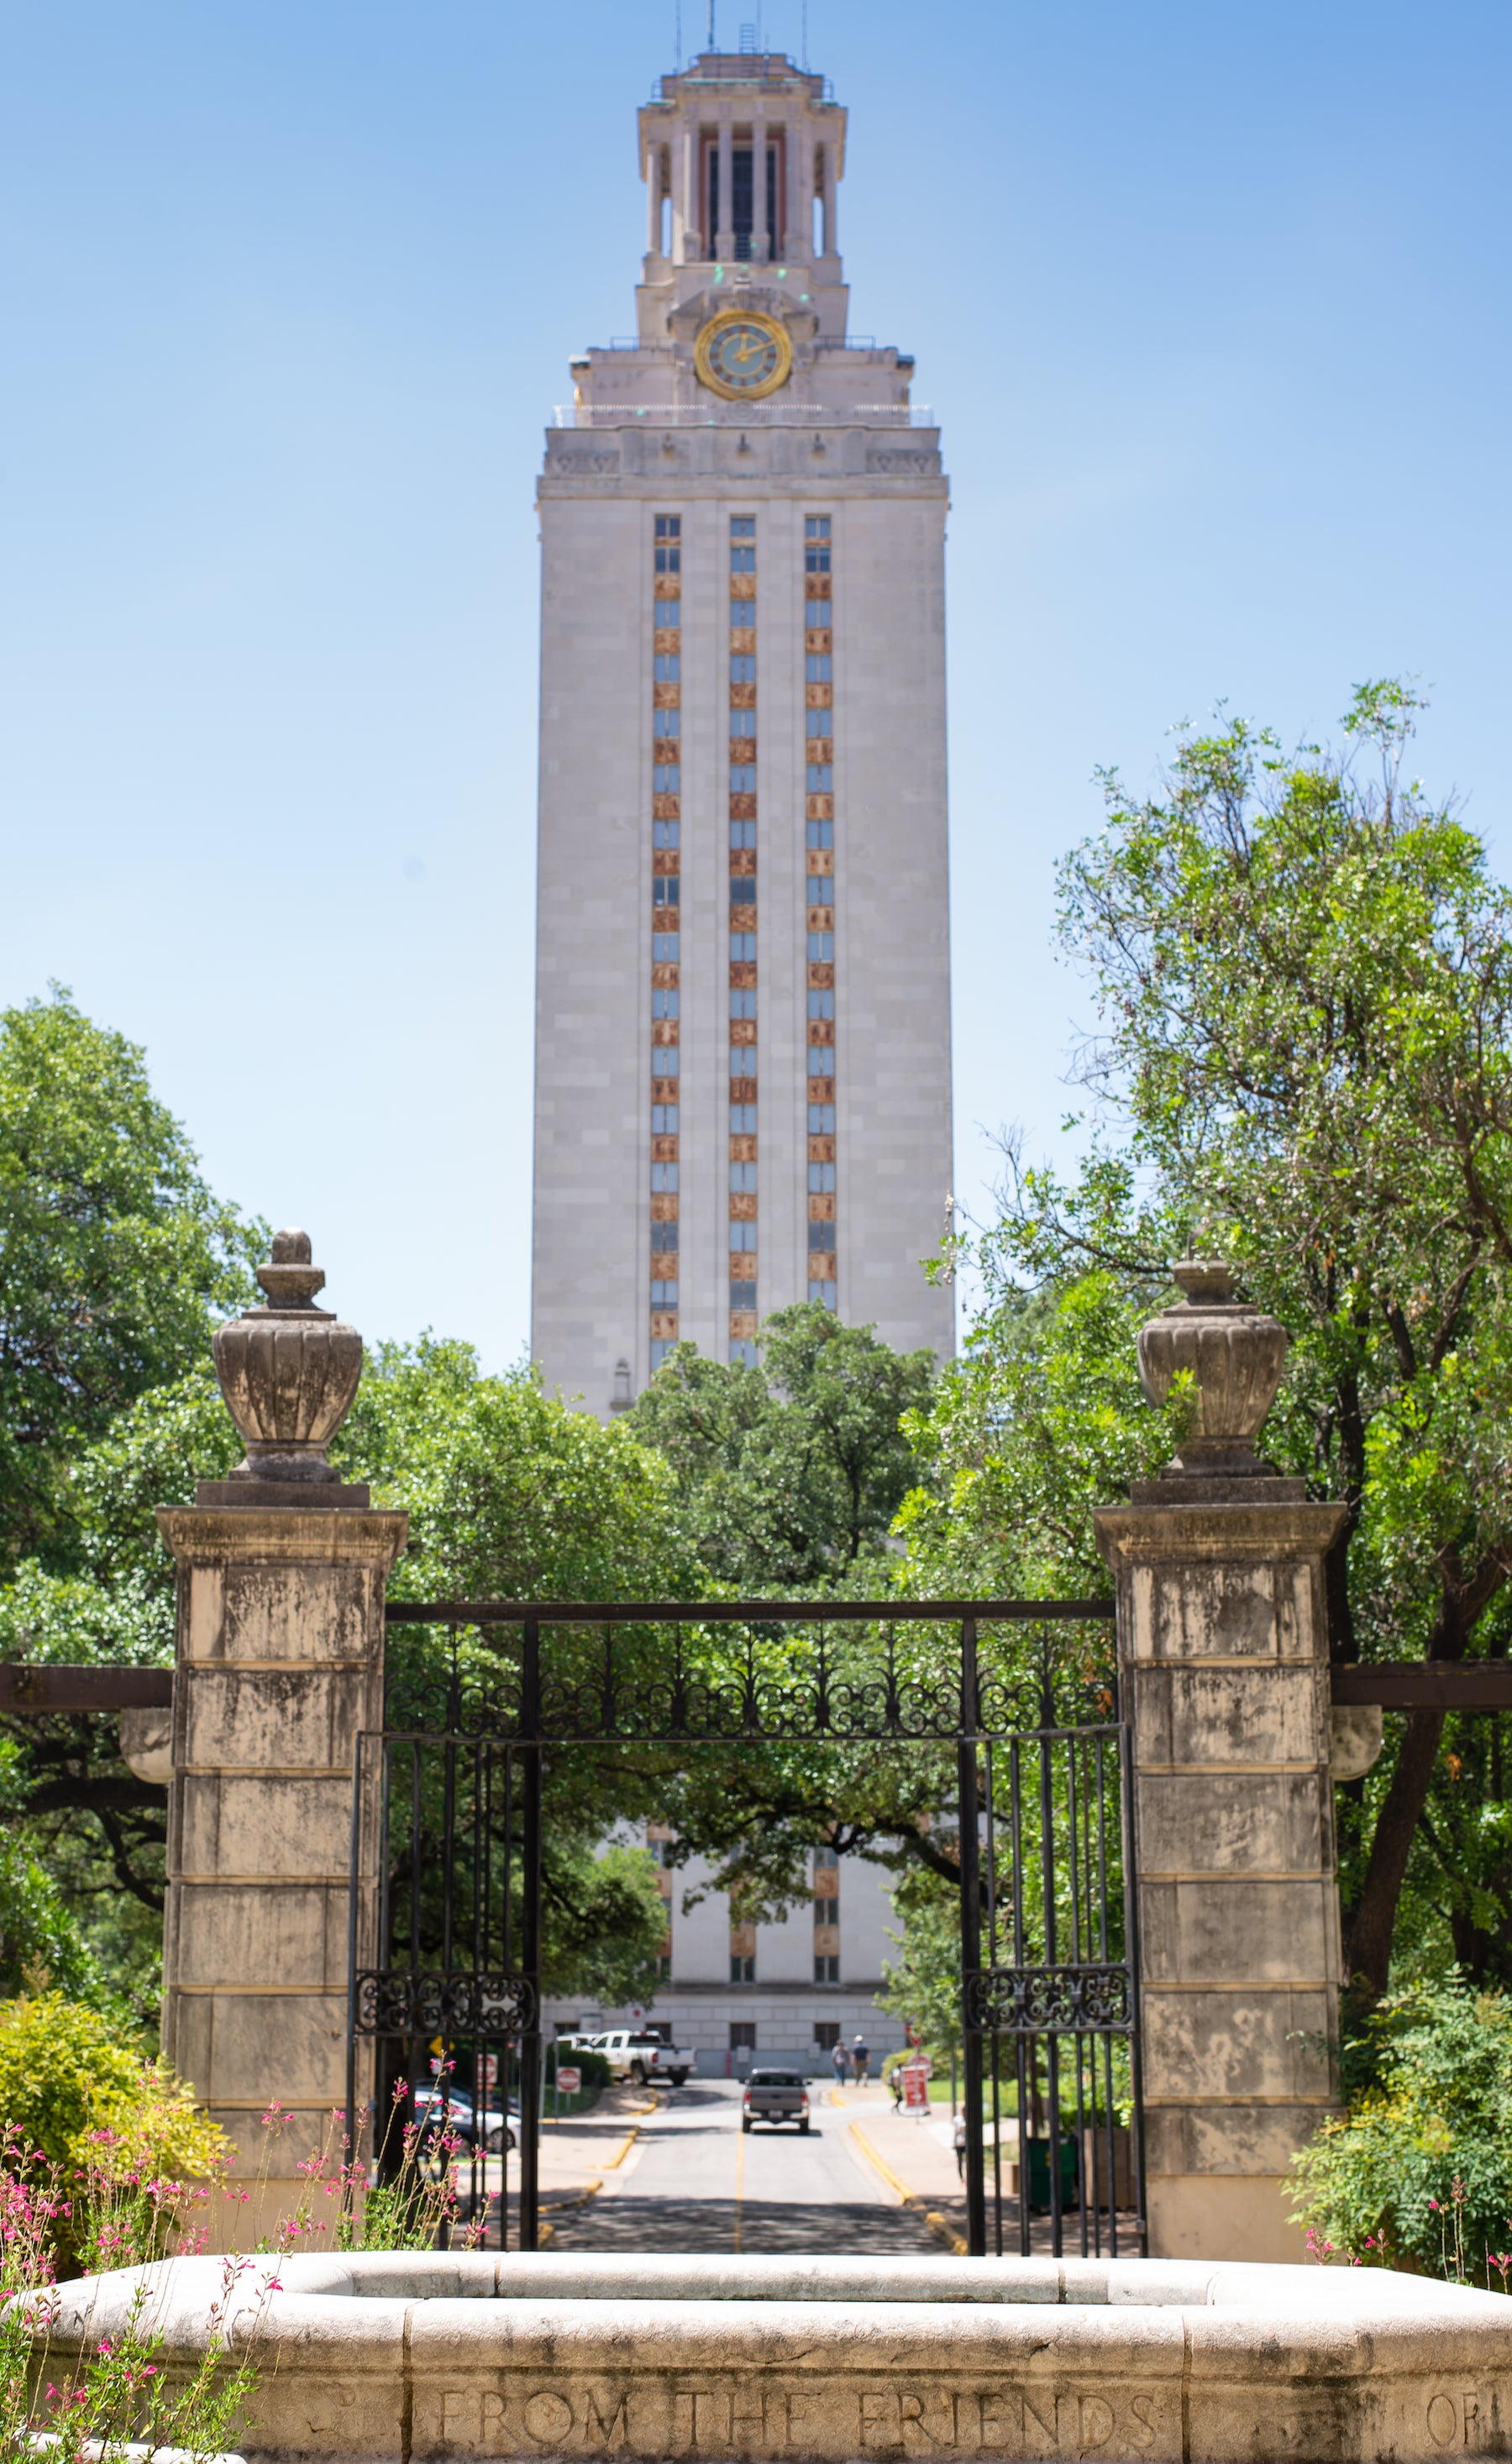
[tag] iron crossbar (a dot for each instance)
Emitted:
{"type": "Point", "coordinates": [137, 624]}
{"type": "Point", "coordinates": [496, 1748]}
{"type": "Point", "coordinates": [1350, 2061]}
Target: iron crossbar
{"type": "Point", "coordinates": [1040, 1805]}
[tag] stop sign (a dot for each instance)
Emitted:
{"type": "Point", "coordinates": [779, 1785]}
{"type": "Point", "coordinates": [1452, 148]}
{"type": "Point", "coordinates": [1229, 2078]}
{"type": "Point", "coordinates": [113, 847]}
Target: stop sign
{"type": "Point", "coordinates": [569, 2079]}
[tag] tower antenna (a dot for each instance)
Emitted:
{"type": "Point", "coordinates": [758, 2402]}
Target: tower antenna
{"type": "Point", "coordinates": [679, 37]}
{"type": "Point", "coordinates": [805, 37]}
{"type": "Point", "coordinates": [710, 23]}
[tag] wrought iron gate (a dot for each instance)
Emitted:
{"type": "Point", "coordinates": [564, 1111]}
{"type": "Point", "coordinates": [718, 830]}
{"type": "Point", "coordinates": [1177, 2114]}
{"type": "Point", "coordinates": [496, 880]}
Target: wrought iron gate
{"type": "Point", "coordinates": [448, 1807]}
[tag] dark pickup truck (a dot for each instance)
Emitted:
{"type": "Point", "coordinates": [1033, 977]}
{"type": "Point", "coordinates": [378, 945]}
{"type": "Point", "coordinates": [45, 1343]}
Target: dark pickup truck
{"type": "Point", "coordinates": [775, 2096]}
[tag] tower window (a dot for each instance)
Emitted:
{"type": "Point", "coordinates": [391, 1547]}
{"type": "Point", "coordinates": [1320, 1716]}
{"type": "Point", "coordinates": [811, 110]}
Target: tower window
{"type": "Point", "coordinates": [742, 198]}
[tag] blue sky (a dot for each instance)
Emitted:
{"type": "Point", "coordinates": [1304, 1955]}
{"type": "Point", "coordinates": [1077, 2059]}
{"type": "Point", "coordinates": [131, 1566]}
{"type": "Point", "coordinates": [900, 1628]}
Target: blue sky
{"type": "Point", "coordinates": [1211, 303]}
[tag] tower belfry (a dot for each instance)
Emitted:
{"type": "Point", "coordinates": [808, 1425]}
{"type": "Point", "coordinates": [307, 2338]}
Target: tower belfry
{"type": "Point", "coordinates": [742, 1068]}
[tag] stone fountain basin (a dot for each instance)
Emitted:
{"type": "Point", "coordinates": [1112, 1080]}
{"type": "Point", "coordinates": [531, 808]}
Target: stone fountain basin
{"type": "Point", "coordinates": [836, 2360]}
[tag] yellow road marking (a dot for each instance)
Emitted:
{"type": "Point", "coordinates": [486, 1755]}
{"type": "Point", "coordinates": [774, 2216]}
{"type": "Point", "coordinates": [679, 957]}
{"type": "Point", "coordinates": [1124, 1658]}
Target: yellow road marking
{"type": "Point", "coordinates": [910, 2198]}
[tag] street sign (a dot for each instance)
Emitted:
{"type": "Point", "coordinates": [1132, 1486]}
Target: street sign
{"type": "Point", "coordinates": [915, 2088]}
{"type": "Point", "coordinates": [568, 2079]}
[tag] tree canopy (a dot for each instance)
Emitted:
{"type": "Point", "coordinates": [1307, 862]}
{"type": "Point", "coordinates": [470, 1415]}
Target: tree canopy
{"type": "Point", "coordinates": [114, 1258]}
{"type": "Point", "coordinates": [788, 1475]}
{"type": "Point", "coordinates": [1302, 970]}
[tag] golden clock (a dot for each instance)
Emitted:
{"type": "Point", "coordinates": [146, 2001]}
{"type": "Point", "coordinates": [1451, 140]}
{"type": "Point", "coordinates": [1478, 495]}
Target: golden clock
{"type": "Point", "coordinates": [743, 355]}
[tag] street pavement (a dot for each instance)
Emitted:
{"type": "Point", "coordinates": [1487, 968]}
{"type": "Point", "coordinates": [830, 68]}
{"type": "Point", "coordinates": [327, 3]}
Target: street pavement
{"type": "Point", "coordinates": [691, 2180]}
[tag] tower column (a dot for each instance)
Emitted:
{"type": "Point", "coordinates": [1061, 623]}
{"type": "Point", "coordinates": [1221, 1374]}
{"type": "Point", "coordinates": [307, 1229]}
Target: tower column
{"type": "Point", "coordinates": [654, 201]}
{"type": "Point", "coordinates": [831, 202]}
{"type": "Point", "coordinates": [793, 244]}
{"type": "Point", "coordinates": [686, 211]}
{"type": "Point", "coordinates": [724, 235]}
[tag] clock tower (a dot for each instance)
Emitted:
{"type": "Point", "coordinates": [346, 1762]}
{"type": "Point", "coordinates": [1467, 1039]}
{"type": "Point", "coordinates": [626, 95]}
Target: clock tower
{"type": "Point", "coordinates": [742, 1054]}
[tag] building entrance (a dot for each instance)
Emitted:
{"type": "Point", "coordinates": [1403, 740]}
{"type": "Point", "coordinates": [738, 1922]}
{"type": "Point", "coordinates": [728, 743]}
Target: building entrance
{"type": "Point", "coordinates": [995, 1726]}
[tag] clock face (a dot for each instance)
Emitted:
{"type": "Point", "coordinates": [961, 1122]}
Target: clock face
{"type": "Point", "coordinates": [742, 355]}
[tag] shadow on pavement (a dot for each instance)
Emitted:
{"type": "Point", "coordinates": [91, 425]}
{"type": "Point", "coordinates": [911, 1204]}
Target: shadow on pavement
{"type": "Point", "coordinates": [723, 2225]}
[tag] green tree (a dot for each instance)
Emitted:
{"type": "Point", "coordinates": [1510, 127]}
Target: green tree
{"type": "Point", "coordinates": [114, 1258]}
{"type": "Point", "coordinates": [1304, 975]}
{"type": "Point", "coordinates": [788, 1475]}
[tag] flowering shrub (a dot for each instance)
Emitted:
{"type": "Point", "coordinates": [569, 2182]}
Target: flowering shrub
{"type": "Point", "coordinates": [64, 2072]}
{"type": "Point", "coordinates": [1418, 2172]}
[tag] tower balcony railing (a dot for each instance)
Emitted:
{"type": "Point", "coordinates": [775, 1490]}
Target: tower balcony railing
{"type": "Point", "coordinates": [742, 415]}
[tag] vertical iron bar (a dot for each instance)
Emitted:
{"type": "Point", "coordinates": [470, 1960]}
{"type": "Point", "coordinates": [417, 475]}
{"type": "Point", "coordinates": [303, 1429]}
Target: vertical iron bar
{"type": "Point", "coordinates": [971, 1943]}
{"type": "Point", "coordinates": [530, 2066]}
{"type": "Point", "coordinates": [1128, 1841]}
{"type": "Point", "coordinates": [1052, 2047]}
{"type": "Point", "coordinates": [1015, 1876]}
{"type": "Point", "coordinates": [992, 1962]}
{"type": "Point", "coordinates": [351, 1958]}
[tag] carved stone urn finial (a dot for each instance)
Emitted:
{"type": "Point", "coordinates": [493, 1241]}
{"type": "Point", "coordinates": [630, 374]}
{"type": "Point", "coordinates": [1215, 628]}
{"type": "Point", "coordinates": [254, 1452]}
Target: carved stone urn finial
{"type": "Point", "coordinates": [288, 1372]}
{"type": "Point", "coordinates": [1235, 1354]}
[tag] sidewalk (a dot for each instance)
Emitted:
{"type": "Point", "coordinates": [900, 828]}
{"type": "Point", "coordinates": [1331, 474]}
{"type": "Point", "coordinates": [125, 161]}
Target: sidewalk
{"type": "Point", "coordinates": [912, 2152]}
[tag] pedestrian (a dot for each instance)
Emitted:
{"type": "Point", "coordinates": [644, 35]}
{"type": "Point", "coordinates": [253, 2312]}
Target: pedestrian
{"type": "Point", "coordinates": [958, 2135]}
{"type": "Point", "coordinates": [860, 2060]}
{"type": "Point", "coordinates": [895, 2082]}
{"type": "Point", "coordinates": [838, 2063]}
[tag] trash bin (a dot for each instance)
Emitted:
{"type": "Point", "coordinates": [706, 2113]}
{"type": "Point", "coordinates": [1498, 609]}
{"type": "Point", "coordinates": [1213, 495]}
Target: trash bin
{"type": "Point", "coordinates": [1039, 2176]}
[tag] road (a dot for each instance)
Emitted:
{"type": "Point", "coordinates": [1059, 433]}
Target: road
{"type": "Point", "coordinates": [694, 2181]}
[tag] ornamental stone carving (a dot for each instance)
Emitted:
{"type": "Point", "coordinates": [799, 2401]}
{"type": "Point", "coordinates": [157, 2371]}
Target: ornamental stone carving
{"type": "Point", "coordinates": [289, 1372]}
{"type": "Point", "coordinates": [1235, 1354]}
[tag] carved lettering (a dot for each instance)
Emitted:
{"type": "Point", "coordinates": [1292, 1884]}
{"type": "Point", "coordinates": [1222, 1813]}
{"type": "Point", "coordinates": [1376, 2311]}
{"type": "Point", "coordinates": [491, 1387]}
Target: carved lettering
{"type": "Point", "coordinates": [494, 2439]}
{"type": "Point", "coordinates": [548, 2417]}
{"type": "Point", "coordinates": [794, 2417]}
{"type": "Point", "coordinates": [1469, 2412]}
{"type": "Point", "coordinates": [1144, 2431]}
{"type": "Point", "coordinates": [748, 2420]}
{"type": "Point", "coordinates": [684, 2431]}
{"type": "Point", "coordinates": [1443, 2420]}
{"type": "Point", "coordinates": [879, 2419]}
{"type": "Point", "coordinates": [911, 2416]}
{"type": "Point", "coordinates": [991, 2429]}
{"type": "Point", "coordinates": [1094, 2424]}
{"type": "Point", "coordinates": [599, 2433]}
{"type": "Point", "coordinates": [454, 2402]}
{"type": "Point", "coordinates": [1048, 2430]}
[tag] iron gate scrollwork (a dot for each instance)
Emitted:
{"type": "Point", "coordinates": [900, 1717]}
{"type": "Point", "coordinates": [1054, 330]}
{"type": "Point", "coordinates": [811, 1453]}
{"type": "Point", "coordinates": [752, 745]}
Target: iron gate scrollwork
{"type": "Point", "coordinates": [445, 1958]}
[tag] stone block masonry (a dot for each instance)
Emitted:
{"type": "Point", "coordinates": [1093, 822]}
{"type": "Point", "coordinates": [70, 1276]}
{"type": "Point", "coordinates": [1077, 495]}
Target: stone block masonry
{"type": "Point", "coordinates": [279, 1667]}
{"type": "Point", "coordinates": [831, 2360]}
{"type": "Point", "coordinates": [1224, 1671]}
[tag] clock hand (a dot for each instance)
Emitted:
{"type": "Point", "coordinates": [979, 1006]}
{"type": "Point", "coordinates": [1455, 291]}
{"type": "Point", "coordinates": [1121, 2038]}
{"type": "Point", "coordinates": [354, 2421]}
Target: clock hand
{"type": "Point", "coordinates": [747, 350]}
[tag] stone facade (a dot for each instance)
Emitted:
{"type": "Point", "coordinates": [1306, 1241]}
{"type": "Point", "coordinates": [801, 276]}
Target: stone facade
{"type": "Point", "coordinates": [829, 2360]}
{"type": "Point", "coordinates": [649, 441]}
{"type": "Point", "coordinates": [1224, 1666]}
{"type": "Point", "coordinates": [279, 1667]}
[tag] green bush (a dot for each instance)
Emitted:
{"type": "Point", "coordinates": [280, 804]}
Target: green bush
{"type": "Point", "coordinates": [1418, 2173]}
{"type": "Point", "coordinates": [596, 2071]}
{"type": "Point", "coordinates": [94, 2110]}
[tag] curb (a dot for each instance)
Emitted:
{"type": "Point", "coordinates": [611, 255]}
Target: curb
{"type": "Point", "coordinates": [944, 2230]}
{"type": "Point", "coordinates": [910, 2198]}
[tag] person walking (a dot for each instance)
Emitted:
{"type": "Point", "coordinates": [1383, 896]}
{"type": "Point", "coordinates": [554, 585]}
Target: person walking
{"type": "Point", "coordinates": [958, 2135]}
{"type": "Point", "coordinates": [839, 2064]}
{"type": "Point", "coordinates": [860, 2060]}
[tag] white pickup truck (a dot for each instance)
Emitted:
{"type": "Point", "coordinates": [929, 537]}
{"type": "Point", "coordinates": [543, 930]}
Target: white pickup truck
{"type": "Point", "coordinates": [634, 2055]}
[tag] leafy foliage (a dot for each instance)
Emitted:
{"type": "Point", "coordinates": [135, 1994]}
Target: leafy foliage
{"type": "Point", "coordinates": [788, 1475]}
{"type": "Point", "coordinates": [115, 1258]}
{"type": "Point", "coordinates": [1304, 975]}
{"type": "Point", "coordinates": [510, 1494]}
{"type": "Point", "coordinates": [65, 2072]}
{"type": "Point", "coordinates": [1424, 2157]}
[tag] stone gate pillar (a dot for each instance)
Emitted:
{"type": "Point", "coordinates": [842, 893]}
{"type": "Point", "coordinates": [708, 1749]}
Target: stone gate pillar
{"type": "Point", "coordinates": [279, 1665]}
{"type": "Point", "coordinates": [1224, 1658]}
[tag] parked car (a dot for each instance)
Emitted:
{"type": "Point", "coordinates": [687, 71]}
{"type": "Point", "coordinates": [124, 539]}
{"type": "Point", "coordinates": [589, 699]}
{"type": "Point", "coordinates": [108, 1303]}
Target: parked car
{"type": "Point", "coordinates": [775, 2096]}
{"type": "Point", "coordinates": [435, 2106]}
{"type": "Point", "coordinates": [635, 2053]}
